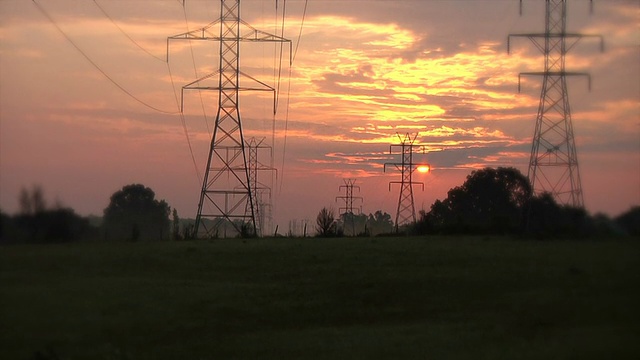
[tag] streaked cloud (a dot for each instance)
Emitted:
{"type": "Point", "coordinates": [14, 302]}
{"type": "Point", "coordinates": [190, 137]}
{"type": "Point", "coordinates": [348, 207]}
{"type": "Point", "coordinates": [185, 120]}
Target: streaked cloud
{"type": "Point", "coordinates": [364, 72]}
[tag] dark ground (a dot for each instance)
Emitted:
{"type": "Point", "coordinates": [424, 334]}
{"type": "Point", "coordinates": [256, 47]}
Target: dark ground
{"type": "Point", "coordinates": [380, 298]}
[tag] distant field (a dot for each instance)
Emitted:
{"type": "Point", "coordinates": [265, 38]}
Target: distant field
{"type": "Point", "coordinates": [382, 298]}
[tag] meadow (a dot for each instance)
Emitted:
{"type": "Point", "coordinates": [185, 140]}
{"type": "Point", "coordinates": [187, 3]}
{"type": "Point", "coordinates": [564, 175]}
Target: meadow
{"type": "Point", "coordinates": [346, 298]}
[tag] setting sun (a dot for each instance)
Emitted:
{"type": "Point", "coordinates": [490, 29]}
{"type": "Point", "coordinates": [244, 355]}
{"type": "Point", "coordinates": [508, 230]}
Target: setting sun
{"type": "Point", "coordinates": [424, 168]}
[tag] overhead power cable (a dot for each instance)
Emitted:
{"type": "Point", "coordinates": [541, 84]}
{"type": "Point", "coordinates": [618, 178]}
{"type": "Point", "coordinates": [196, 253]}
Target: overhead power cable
{"type": "Point", "coordinates": [284, 16]}
{"type": "Point", "coordinates": [184, 127]}
{"type": "Point", "coordinates": [195, 69]}
{"type": "Point", "coordinates": [115, 83]}
{"type": "Point", "coordinates": [304, 15]}
{"type": "Point", "coordinates": [104, 12]}
{"type": "Point", "coordinates": [286, 117]}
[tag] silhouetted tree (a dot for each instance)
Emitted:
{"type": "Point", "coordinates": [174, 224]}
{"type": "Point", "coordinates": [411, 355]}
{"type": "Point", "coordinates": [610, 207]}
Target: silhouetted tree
{"type": "Point", "coordinates": [630, 221]}
{"type": "Point", "coordinates": [490, 200]}
{"type": "Point", "coordinates": [325, 223]}
{"type": "Point", "coordinates": [134, 214]}
{"type": "Point", "coordinates": [351, 224]}
{"type": "Point", "coordinates": [5, 224]}
{"type": "Point", "coordinates": [175, 230]}
{"type": "Point", "coordinates": [379, 223]}
{"type": "Point", "coordinates": [36, 223]}
{"type": "Point", "coordinates": [32, 202]}
{"type": "Point", "coordinates": [545, 218]}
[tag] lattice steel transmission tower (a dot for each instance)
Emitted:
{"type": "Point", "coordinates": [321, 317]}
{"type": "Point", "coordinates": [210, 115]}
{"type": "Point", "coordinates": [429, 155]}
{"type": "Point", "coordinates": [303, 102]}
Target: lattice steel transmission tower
{"type": "Point", "coordinates": [553, 164]}
{"type": "Point", "coordinates": [227, 198]}
{"type": "Point", "coordinates": [347, 212]}
{"type": "Point", "coordinates": [261, 191]}
{"type": "Point", "coordinates": [406, 212]}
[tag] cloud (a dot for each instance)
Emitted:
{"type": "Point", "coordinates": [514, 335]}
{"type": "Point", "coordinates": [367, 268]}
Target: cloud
{"type": "Point", "coordinates": [365, 71]}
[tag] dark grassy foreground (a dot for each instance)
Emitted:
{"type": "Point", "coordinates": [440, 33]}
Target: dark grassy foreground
{"type": "Point", "coordinates": [392, 298]}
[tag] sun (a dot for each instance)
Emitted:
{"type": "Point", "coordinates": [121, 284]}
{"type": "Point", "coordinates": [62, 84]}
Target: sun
{"type": "Point", "coordinates": [424, 168]}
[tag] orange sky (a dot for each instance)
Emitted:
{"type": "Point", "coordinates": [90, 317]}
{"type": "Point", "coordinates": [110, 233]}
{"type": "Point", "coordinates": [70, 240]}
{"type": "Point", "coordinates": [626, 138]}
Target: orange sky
{"type": "Point", "coordinates": [364, 71]}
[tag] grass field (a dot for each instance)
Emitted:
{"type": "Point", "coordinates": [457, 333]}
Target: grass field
{"type": "Point", "coordinates": [382, 298]}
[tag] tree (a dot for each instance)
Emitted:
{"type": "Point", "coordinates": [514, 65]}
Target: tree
{"type": "Point", "coordinates": [379, 223]}
{"type": "Point", "coordinates": [630, 221]}
{"type": "Point", "coordinates": [175, 223]}
{"type": "Point", "coordinates": [134, 214]}
{"type": "Point", "coordinates": [37, 223]}
{"type": "Point", "coordinates": [325, 223]}
{"type": "Point", "coordinates": [351, 224]}
{"type": "Point", "coordinates": [490, 200]}
{"type": "Point", "coordinates": [32, 202]}
{"type": "Point", "coordinates": [545, 218]}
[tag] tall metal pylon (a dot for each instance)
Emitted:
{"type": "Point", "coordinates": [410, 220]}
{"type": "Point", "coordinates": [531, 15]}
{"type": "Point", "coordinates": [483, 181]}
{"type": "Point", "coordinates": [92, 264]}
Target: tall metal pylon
{"type": "Point", "coordinates": [347, 212]}
{"type": "Point", "coordinates": [406, 212]}
{"type": "Point", "coordinates": [261, 190]}
{"type": "Point", "coordinates": [227, 198]}
{"type": "Point", "coordinates": [553, 163]}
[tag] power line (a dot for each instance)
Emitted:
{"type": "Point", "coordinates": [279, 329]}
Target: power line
{"type": "Point", "coordinates": [195, 69]}
{"type": "Point", "coordinates": [184, 126]}
{"type": "Point", "coordinates": [304, 14]}
{"type": "Point", "coordinates": [46, 14]}
{"type": "Point", "coordinates": [284, 12]}
{"type": "Point", "coordinates": [286, 118]}
{"type": "Point", "coordinates": [125, 33]}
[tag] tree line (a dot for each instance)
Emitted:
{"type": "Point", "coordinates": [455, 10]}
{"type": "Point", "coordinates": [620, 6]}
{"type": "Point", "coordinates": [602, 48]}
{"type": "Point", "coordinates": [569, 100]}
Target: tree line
{"type": "Point", "coordinates": [349, 224]}
{"type": "Point", "coordinates": [496, 201]}
{"type": "Point", "coordinates": [501, 201]}
{"type": "Point", "coordinates": [490, 201]}
{"type": "Point", "coordinates": [133, 214]}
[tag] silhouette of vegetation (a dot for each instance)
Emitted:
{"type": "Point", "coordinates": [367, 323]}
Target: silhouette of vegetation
{"type": "Point", "coordinates": [379, 223]}
{"type": "Point", "coordinates": [36, 223]}
{"type": "Point", "coordinates": [175, 225]}
{"type": "Point", "coordinates": [246, 230]}
{"type": "Point", "coordinates": [500, 201]}
{"type": "Point", "coordinates": [374, 224]}
{"type": "Point", "coordinates": [630, 221]}
{"type": "Point", "coordinates": [32, 202]}
{"type": "Point", "coordinates": [546, 218]}
{"type": "Point", "coordinates": [489, 201]}
{"type": "Point", "coordinates": [326, 225]}
{"type": "Point", "coordinates": [351, 224]}
{"type": "Point", "coordinates": [134, 214]}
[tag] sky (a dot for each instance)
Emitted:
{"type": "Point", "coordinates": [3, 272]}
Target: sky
{"type": "Point", "coordinates": [86, 112]}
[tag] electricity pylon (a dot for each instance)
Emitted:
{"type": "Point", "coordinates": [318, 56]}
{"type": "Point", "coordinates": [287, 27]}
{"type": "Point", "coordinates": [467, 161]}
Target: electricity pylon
{"type": "Point", "coordinates": [227, 197]}
{"type": "Point", "coordinates": [347, 212]}
{"type": "Point", "coordinates": [261, 191]}
{"type": "Point", "coordinates": [553, 164]}
{"type": "Point", "coordinates": [406, 212]}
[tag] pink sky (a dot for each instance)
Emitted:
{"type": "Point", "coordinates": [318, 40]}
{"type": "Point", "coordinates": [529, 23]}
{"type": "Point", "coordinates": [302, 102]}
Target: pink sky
{"type": "Point", "coordinates": [364, 71]}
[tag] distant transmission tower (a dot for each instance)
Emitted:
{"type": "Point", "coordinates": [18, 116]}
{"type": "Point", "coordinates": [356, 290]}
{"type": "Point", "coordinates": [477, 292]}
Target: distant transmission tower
{"type": "Point", "coordinates": [406, 209]}
{"type": "Point", "coordinates": [553, 165]}
{"type": "Point", "coordinates": [348, 210]}
{"type": "Point", "coordinates": [227, 197]}
{"type": "Point", "coordinates": [261, 191]}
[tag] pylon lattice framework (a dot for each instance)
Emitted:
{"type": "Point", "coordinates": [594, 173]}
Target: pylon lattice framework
{"type": "Point", "coordinates": [406, 212]}
{"type": "Point", "coordinates": [227, 197]}
{"type": "Point", "coordinates": [261, 191]}
{"type": "Point", "coordinates": [553, 163]}
{"type": "Point", "coordinates": [347, 212]}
